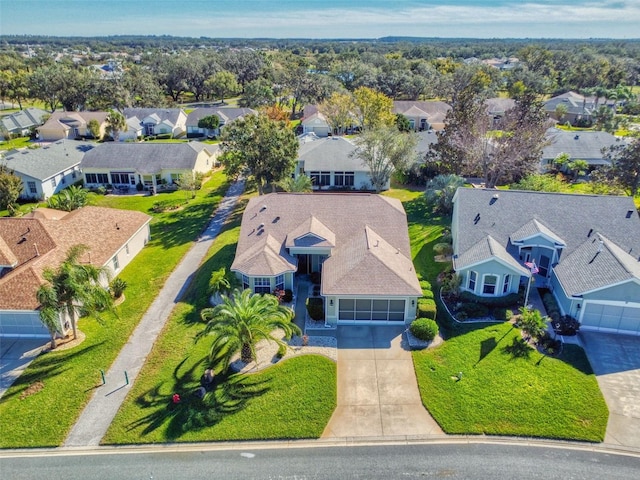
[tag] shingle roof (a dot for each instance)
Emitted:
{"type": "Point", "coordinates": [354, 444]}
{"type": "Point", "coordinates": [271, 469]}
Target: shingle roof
{"type": "Point", "coordinates": [367, 227]}
{"type": "Point", "coordinates": [146, 158]}
{"type": "Point", "coordinates": [39, 243]}
{"type": "Point", "coordinates": [579, 145]}
{"type": "Point", "coordinates": [311, 232]}
{"type": "Point", "coordinates": [67, 120]}
{"type": "Point", "coordinates": [27, 118]}
{"type": "Point", "coordinates": [170, 115]}
{"type": "Point", "coordinates": [45, 162]}
{"type": "Point", "coordinates": [532, 228]}
{"type": "Point", "coordinates": [265, 257]}
{"type": "Point", "coordinates": [331, 153]}
{"type": "Point", "coordinates": [225, 114]}
{"type": "Point", "coordinates": [435, 110]}
{"type": "Point", "coordinates": [485, 249]}
{"type": "Point", "coordinates": [572, 219]}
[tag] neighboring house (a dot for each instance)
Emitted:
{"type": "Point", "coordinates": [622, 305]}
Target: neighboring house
{"type": "Point", "coordinates": [46, 170]}
{"type": "Point", "coordinates": [358, 242]}
{"type": "Point", "coordinates": [422, 115]}
{"type": "Point", "coordinates": [71, 125]}
{"type": "Point", "coordinates": [426, 138]}
{"type": "Point", "coordinates": [21, 123]}
{"type": "Point", "coordinates": [314, 122]}
{"type": "Point", "coordinates": [583, 145]}
{"type": "Point", "coordinates": [330, 164]}
{"type": "Point", "coordinates": [578, 107]}
{"type": "Point", "coordinates": [134, 130]}
{"type": "Point", "coordinates": [497, 107]}
{"type": "Point", "coordinates": [159, 121]}
{"type": "Point", "coordinates": [124, 165]}
{"type": "Point", "coordinates": [585, 248]}
{"type": "Point", "coordinates": [226, 115]}
{"type": "Point", "coordinates": [42, 239]}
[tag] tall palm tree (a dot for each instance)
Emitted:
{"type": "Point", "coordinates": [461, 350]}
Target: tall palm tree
{"type": "Point", "coordinates": [241, 321]}
{"type": "Point", "coordinates": [115, 124]}
{"type": "Point", "coordinates": [73, 289]}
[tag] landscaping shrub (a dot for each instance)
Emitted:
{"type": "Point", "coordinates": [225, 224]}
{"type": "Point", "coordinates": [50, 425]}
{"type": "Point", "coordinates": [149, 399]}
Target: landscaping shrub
{"type": "Point", "coordinates": [506, 301]}
{"type": "Point", "coordinates": [282, 351]}
{"type": "Point", "coordinates": [442, 249]}
{"type": "Point", "coordinates": [165, 205]}
{"type": "Point", "coordinates": [424, 329]}
{"type": "Point", "coordinates": [566, 325]}
{"type": "Point", "coordinates": [426, 308]}
{"type": "Point", "coordinates": [315, 308]}
{"type": "Point", "coordinates": [117, 287]}
{"type": "Point", "coordinates": [500, 313]}
{"type": "Point", "coordinates": [474, 310]}
{"type": "Point", "coordinates": [425, 285]}
{"type": "Point", "coordinates": [288, 296]}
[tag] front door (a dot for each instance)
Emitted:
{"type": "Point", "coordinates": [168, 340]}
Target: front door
{"type": "Point", "coordinates": [304, 264]}
{"type": "Point", "coordinates": [544, 266]}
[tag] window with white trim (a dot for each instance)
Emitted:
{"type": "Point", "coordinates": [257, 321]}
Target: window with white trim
{"type": "Point", "coordinates": [489, 284]}
{"type": "Point", "coordinates": [126, 248]}
{"type": "Point", "coordinates": [471, 284]}
{"type": "Point", "coordinates": [53, 182]}
{"type": "Point", "coordinates": [343, 179]}
{"type": "Point", "coordinates": [116, 263]}
{"type": "Point", "coordinates": [245, 282]}
{"type": "Point", "coordinates": [280, 282]}
{"type": "Point", "coordinates": [505, 283]}
{"type": "Point", "coordinates": [262, 285]}
{"type": "Point", "coordinates": [32, 188]}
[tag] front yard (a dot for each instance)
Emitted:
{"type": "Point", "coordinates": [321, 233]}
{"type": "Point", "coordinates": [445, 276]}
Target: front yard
{"type": "Point", "coordinates": [69, 377]}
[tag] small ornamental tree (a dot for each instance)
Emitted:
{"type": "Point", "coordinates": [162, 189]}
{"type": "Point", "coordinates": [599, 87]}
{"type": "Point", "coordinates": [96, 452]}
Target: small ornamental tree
{"type": "Point", "coordinates": [210, 122]}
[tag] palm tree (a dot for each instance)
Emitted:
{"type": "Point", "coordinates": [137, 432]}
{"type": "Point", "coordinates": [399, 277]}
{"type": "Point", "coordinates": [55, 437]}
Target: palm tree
{"type": "Point", "coordinates": [69, 199]}
{"type": "Point", "coordinates": [73, 289]}
{"type": "Point", "coordinates": [241, 321]}
{"type": "Point", "coordinates": [218, 282]}
{"type": "Point", "coordinates": [302, 184]}
{"type": "Point", "coordinates": [115, 124]}
{"type": "Point", "coordinates": [440, 190]}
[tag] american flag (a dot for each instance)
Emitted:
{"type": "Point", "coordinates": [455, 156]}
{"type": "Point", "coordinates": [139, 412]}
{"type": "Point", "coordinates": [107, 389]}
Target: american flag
{"type": "Point", "coordinates": [532, 266]}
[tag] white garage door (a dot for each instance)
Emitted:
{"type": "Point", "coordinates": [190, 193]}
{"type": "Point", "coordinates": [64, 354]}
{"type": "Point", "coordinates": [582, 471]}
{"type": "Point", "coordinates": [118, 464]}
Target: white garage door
{"type": "Point", "coordinates": [368, 310]}
{"type": "Point", "coordinates": [611, 318]}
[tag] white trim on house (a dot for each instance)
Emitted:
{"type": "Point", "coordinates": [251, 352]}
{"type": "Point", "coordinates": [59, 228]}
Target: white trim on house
{"type": "Point", "coordinates": [612, 303]}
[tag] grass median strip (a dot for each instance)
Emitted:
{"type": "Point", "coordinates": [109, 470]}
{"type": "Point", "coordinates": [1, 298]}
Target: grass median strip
{"type": "Point", "coordinates": [68, 377]}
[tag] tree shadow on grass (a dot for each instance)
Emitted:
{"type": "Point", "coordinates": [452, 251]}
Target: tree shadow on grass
{"type": "Point", "coordinates": [518, 349]}
{"type": "Point", "coordinates": [227, 394]}
{"type": "Point", "coordinates": [575, 356]}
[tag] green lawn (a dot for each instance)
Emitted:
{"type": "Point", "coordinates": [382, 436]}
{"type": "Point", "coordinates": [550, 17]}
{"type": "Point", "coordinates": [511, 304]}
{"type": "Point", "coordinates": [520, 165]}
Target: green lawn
{"type": "Point", "coordinates": [293, 399]}
{"type": "Point", "coordinates": [70, 376]}
{"type": "Point", "coordinates": [498, 394]}
{"type": "Point", "coordinates": [19, 142]}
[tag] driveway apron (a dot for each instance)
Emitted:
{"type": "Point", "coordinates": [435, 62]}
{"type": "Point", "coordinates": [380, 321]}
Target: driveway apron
{"type": "Point", "coordinates": [615, 360]}
{"type": "Point", "coordinates": [377, 388]}
{"type": "Point", "coordinates": [103, 406]}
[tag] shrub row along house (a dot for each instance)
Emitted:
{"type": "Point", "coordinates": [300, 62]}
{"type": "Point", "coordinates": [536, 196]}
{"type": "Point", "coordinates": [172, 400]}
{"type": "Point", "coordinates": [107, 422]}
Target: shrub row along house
{"type": "Point", "coordinates": [357, 242]}
{"type": "Point", "coordinates": [583, 248]}
{"type": "Point", "coordinates": [40, 240]}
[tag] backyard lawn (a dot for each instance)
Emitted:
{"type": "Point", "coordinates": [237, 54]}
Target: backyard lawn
{"type": "Point", "coordinates": [42, 406]}
{"type": "Point", "coordinates": [293, 399]}
{"type": "Point", "coordinates": [498, 394]}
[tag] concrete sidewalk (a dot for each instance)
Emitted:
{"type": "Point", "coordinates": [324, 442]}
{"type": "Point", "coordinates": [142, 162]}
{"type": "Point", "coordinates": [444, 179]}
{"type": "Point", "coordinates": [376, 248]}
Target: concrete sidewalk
{"type": "Point", "coordinates": [103, 406]}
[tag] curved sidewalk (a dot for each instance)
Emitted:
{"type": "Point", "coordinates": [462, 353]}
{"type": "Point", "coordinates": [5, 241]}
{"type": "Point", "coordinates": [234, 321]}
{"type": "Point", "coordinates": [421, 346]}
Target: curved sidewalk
{"type": "Point", "coordinates": [103, 406]}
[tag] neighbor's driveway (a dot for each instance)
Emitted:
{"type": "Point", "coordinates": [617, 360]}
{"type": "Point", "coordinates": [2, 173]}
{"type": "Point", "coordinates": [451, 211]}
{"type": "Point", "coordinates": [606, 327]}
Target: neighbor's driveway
{"type": "Point", "coordinates": [377, 388]}
{"type": "Point", "coordinates": [615, 359]}
{"type": "Point", "coordinates": [15, 356]}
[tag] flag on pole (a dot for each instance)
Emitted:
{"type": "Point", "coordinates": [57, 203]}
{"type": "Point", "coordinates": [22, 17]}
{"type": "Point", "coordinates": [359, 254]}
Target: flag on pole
{"type": "Point", "coordinates": [532, 266]}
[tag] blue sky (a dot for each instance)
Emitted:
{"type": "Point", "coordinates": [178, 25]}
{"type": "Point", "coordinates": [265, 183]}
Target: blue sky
{"type": "Point", "coordinates": [325, 19]}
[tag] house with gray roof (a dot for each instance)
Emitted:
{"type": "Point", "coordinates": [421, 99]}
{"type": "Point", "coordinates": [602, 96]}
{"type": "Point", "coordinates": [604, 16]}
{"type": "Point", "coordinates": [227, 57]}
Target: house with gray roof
{"type": "Point", "coordinates": [159, 121]}
{"type": "Point", "coordinates": [46, 170]}
{"type": "Point", "coordinates": [20, 123]}
{"type": "Point", "coordinates": [154, 165]}
{"type": "Point", "coordinates": [358, 242]}
{"type": "Point", "coordinates": [583, 145]}
{"type": "Point", "coordinates": [330, 164]}
{"type": "Point", "coordinates": [583, 248]}
{"type": "Point", "coordinates": [225, 115]}
{"type": "Point", "coordinates": [576, 108]}
{"type": "Point", "coordinates": [422, 115]}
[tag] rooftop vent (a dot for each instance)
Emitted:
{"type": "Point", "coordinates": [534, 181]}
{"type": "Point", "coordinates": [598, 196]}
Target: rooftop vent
{"type": "Point", "coordinates": [577, 137]}
{"type": "Point", "coordinates": [590, 232]}
{"type": "Point", "coordinates": [261, 226]}
{"type": "Point", "coordinates": [263, 208]}
{"type": "Point", "coordinates": [629, 213]}
{"type": "Point", "coordinates": [600, 246]}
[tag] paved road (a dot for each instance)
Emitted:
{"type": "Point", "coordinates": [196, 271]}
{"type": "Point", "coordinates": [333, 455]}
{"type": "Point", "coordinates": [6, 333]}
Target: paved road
{"type": "Point", "coordinates": [377, 388]}
{"type": "Point", "coordinates": [103, 406]}
{"type": "Point", "coordinates": [450, 460]}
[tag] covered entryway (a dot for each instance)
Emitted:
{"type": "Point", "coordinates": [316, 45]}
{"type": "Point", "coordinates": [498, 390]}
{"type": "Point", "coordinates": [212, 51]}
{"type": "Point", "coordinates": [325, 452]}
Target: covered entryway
{"type": "Point", "coordinates": [622, 318]}
{"type": "Point", "coordinates": [370, 310]}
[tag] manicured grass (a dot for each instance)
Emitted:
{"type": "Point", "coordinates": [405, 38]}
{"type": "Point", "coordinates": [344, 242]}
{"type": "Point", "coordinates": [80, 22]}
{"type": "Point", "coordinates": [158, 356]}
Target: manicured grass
{"type": "Point", "coordinates": [19, 142]}
{"type": "Point", "coordinates": [294, 399]}
{"type": "Point", "coordinates": [499, 394]}
{"type": "Point", "coordinates": [70, 376]}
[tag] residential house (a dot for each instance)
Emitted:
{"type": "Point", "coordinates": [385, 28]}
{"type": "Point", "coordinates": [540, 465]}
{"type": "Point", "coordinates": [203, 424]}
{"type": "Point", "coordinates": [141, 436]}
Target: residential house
{"type": "Point", "coordinates": [358, 242]}
{"type": "Point", "coordinates": [159, 121]}
{"type": "Point", "coordinates": [497, 107]}
{"type": "Point", "coordinates": [583, 248]}
{"type": "Point", "coordinates": [46, 170]}
{"type": "Point", "coordinates": [577, 108]}
{"type": "Point", "coordinates": [331, 165]}
{"type": "Point", "coordinates": [40, 240]}
{"type": "Point", "coordinates": [133, 131]}
{"type": "Point", "coordinates": [71, 125]}
{"type": "Point", "coordinates": [225, 115]}
{"type": "Point", "coordinates": [313, 121]}
{"type": "Point", "coordinates": [422, 115]}
{"type": "Point", "coordinates": [125, 165]}
{"type": "Point", "coordinates": [21, 123]}
{"type": "Point", "coordinates": [583, 145]}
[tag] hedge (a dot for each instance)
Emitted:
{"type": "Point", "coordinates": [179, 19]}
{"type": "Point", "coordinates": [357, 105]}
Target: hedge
{"type": "Point", "coordinates": [506, 301]}
{"type": "Point", "coordinates": [424, 329]}
{"type": "Point", "coordinates": [315, 307]}
{"type": "Point", "coordinates": [426, 308]}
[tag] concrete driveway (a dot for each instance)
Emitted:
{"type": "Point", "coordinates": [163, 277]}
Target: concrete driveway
{"type": "Point", "coordinates": [15, 355]}
{"type": "Point", "coordinates": [615, 359]}
{"type": "Point", "coordinates": [377, 388]}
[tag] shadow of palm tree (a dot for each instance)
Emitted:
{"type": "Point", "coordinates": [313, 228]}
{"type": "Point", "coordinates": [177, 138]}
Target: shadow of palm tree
{"type": "Point", "coordinates": [518, 349]}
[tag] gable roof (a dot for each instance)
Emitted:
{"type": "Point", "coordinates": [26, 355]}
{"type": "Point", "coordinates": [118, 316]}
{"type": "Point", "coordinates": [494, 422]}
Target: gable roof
{"type": "Point", "coordinates": [330, 153]}
{"type": "Point", "coordinates": [486, 249]}
{"type": "Point", "coordinates": [510, 215]}
{"type": "Point", "coordinates": [41, 241]}
{"type": "Point", "coordinates": [225, 114]}
{"type": "Point", "coordinates": [579, 145]}
{"type": "Point", "coordinates": [45, 162]}
{"type": "Point", "coordinates": [311, 232]}
{"type": "Point", "coordinates": [367, 231]}
{"type": "Point", "coordinates": [27, 118]}
{"type": "Point", "coordinates": [145, 158]}
{"type": "Point", "coordinates": [435, 110]}
{"type": "Point", "coordinates": [170, 115]}
{"type": "Point", "coordinates": [68, 120]}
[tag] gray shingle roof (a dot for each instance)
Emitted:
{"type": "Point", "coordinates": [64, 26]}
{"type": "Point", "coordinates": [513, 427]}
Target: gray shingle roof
{"type": "Point", "coordinates": [44, 162]}
{"type": "Point", "coordinates": [225, 114]}
{"type": "Point", "coordinates": [162, 114]}
{"type": "Point", "coordinates": [485, 249]}
{"type": "Point", "coordinates": [146, 158]}
{"type": "Point", "coordinates": [573, 219]}
{"type": "Point", "coordinates": [372, 252]}
{"type": "Point", "coordinates": [331, 153]}
{"type": "Point", "coordinates": [27, 118]}
{"type": "Point", "coordinates": [434, 109]}
{"type": "Point", "coordinates": [579, 145]}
